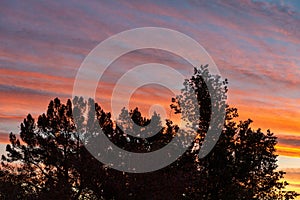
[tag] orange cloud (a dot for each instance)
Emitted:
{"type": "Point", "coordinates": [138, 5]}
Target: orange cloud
{"type": "Point", "coordinates": [4, 139]}
{"type": "Point", "coordinates": [255, 44]}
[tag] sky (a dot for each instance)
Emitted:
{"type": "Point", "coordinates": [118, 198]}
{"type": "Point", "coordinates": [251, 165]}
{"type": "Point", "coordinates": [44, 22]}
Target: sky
{"type": "Point", "coordinates": [254, 43]}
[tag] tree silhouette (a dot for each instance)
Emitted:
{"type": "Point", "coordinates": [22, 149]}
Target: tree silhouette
{"type": "Point", "coordinates": [242, 164]}
{"type": "Point", "coordinates": [50, 159]}
{"type": "Point", "coordinates": [47, 152]}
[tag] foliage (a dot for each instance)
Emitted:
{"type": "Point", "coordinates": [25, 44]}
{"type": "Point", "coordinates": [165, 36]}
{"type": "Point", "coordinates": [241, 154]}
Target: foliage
{"type": "Point", "coordinates": [50, 161]}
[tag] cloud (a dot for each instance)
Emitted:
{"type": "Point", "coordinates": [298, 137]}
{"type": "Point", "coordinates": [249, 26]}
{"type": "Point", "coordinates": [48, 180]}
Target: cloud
{"type": "Point", "coordinates": [290, 140]}
{"type": "Point", "coordinates": [254, 43]}
{"type": "Point", "coordinates": [4, 138]}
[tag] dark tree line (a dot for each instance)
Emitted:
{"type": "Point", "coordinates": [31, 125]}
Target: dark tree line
{"type": "Point", "coordinates": [49, 160]}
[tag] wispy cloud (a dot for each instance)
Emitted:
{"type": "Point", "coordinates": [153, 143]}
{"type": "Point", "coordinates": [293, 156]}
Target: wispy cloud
{"type": "Point", "coordinates": [255, 44]}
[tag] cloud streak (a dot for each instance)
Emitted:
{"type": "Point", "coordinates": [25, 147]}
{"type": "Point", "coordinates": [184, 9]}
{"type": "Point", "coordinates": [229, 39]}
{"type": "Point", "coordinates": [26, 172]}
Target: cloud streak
{"type": "Point", "coordinates": [255, 44]}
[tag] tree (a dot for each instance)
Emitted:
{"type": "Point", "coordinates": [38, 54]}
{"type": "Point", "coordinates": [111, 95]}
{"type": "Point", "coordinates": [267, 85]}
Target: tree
{"type": "Point", "coordinates": [242, 164]}
{"type": "Point", "coordinates": [47, 160]}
